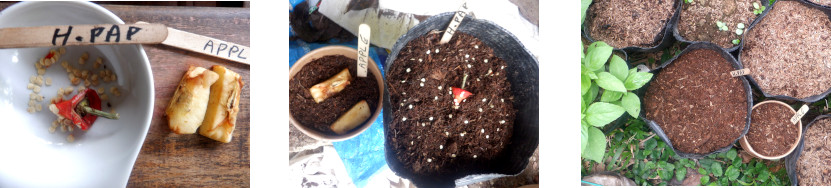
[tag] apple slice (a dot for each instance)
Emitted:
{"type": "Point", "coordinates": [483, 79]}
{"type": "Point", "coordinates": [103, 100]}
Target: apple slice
{"type": "Point", "coordinates": [352, 118]}
{"type": "Point", "coordinates": [330, 87]}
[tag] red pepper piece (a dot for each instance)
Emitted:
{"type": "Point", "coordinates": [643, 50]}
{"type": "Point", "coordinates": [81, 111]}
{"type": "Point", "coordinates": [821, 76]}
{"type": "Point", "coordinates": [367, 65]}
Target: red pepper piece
{"type": "Point", "coordinates": [49, 55]}
{"type": "Point", "coordinates": [460, 94]}
{"type": "Point", "coordinates": [86, 101]}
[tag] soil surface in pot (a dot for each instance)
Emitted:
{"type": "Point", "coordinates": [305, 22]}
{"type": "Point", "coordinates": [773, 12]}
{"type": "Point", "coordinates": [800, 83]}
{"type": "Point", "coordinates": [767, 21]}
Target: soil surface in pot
{"type": "Point", "coordinates": [814, 163]}
{"type": "Point", "coordinates": [698, 20]}
{"type": "Point", "coordinates": [319, 116]}
{"type": "Point", "coordinates": [788, 52]}
{"type": "Point", "coordinates": [700, 107]}
{"type": "Point", "coordinates": [821, 2]}
{"type": "Point", "coordinates": [429, 135]}
{"type": "Point", "coordinates": [624, 23]}
{"type": "Point", "coordinates": [771, 131]}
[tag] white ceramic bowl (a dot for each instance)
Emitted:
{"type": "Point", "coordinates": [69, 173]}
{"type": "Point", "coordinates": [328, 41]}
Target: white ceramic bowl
{"type": "Point", "coordinates": [102, 156]}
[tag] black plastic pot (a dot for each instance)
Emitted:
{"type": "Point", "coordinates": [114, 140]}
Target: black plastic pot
{"type": "Point", "coordinates": [755, 85]}
{"type": "Point", "coordinates": [522, 72]}
{"type": "Point", "coordinates": [724, 54]}
{"type": "Point", "coordinates": [826, 9]}
{"type": "Point", "coordinates": [731, 49]}
{"type": "Point", "coordinates": [793, 158]}
{"type": "Point", "coordinates": [665, 36]}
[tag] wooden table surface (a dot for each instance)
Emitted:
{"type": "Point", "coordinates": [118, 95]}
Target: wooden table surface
{"type": "Point", "coordinates": [170, 160]}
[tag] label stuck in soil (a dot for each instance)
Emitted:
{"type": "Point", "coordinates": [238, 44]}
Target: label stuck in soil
{"type": "Point", "coordinates": [742, 72]}
{"type": "Point", "coordinates": [457, 20]}
{"type": "Point", "coordinates": [363, 49]}
{"type": "Point", "coordinates": [799, 113]}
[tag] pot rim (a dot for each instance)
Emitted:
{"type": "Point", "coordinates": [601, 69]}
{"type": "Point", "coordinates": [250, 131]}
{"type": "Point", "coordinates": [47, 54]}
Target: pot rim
{"type": "Point", "coordinates": [350, 53]}
{"type": "Point", "coordinates": [746, 145]}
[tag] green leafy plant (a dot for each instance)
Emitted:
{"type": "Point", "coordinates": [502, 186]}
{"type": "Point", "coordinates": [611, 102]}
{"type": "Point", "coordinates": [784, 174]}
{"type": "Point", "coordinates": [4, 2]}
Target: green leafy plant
{"type": "Point", "coordinates": [758, 9]}
{"type": "Point", "coordinates": [688, 1]}
{"type": "Point", "coordinates": [613, 83]}
{"type": "Point", "coordinates": [640, 155]}
{"type": "Point", "coordinates": [722, 26]}
{"type": "Point", "coordinates": [739, 28]}
{"type": "Point", "coordinates": [584, 5]}
{"type": "Point", "coordinates": [737, 41]}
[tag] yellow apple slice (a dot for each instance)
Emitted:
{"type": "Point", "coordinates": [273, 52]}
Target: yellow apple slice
{"type": "Point", "coordinates": [352, 118]}
{"type": "Point", "coordinates": [330, 87]}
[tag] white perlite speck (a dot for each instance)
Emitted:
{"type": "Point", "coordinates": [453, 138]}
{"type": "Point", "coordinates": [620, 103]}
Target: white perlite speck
{"type": "Point", "coordinates": [486, 60]}
{"type": "Point", "coordinates": [483, 131]}
{"type": "Point", "coordinates": [467, 56]}
{"type": "Point", "coordinates": [429, 160]}
{"type": "Point", "coordinates": [411, 142]}
{"type": "Point", "coordinates": [469, 66]}
{"type": "Point", "coordinates": [419, 60]}
{"type": "Point", "coordinates": [421, 84]}
{"type": "Point", "coordinates": [408, 69]}
{"type": "Point", "coordinates": [462, 134]}
{"type": "Point", "coordinates": [404, 93]}
{"type": "Point", "coordinates": [497, 129]}
{"type": "Point", "coordinates": [428, 52]}
{"type": "Point", "coordinates": [437, 50]}
{"type": "Point", "coordinates": [465, 121]}
{"type": "Point", "coordinates": [431, 118]}
{"type": "Point", "coordinates": [474, 156]}
{"type": "Point", "coordinates": [410, 107]}
{"type": "Point", "coordinates": [404, 119]}
{"type": "Point", "coordinates": [450, 115]}
{"type": "Point", "coordinates": [440, 88]}
{"type": "Point", "coordinates": [484, 99]}
{"type": "Point", "coordinates": [450, 92]}
{"type": "Point", "coordinates": [447, 133]}
{"type": "Point", "coordinates": [487, 136]}
{"type": "Point", "coordinates": [476, 46]}
{"type": "Point", "coordinates": [480, 109]}
{"type": "Point", "coordinates": [502, 122]}
{"type": "Point", "coordinates": [503, 67]}
{"type": "Point", "coordinates": [423, 80]}
{"type": "Point", "coordinates": [453, 155]}
{"type": "Point", "coordinates": [422, 124]}
{"type": "Point", "coordinates": [402, 104]}
{"type": "Point", "coordinates": [403, 81]}
{"type": "Point", "coordinates": [436, 98]}
{"type": "Point", "coordinates": [441, 146]}
{"type": "Point", "coordinates": [503, 100]}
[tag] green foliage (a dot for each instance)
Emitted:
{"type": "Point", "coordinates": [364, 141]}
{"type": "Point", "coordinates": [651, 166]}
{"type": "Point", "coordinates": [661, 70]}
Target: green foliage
{"type": "Point", "coordinates": [759, 9]}
{"type": "Point", "coordinates": [584, 6]}
{"type": "Point", "coordinates": [613, 81]}
{"type": "Point", "coordinates": [722, 26]}
{"type": "Point", "coordinates": [636, 153]}
{"type": "Point", "coordinates": [688, 1]}
{"type": "Point", "coordinates": [737, 41]}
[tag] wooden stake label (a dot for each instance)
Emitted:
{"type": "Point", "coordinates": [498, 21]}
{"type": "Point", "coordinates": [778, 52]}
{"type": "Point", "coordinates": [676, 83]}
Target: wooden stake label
{"type": "Point", "coordinates": [454, 24]}
{"type": "Point", "coordinates": [73, 35]}
{"type": "Point", "coordinates": [799, 113]}
{"type": "Point", "coordinates": [363, 49]}
{"type": "Point", "coordinates": [742, 72]}
{"type": "Point", "coordinates": [206, 45]}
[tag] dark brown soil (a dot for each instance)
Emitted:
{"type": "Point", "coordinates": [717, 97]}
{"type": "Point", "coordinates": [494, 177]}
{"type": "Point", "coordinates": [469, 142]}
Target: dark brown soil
{"type": "Point", "coordinates": [320, 116]}
{"type": "Point", "coordinates": [698, 20]}
{"type": "Point", "coordinates": [624, 23]}
{"type": "Point", "coordinates": [429, 135]}
{"type": "Point", "coordinates": [814, 163]}
{"type": "Point", "coordinates": [821, 2]}
{"type": "Point", "coordinates": [771, 131]}
{"type": "Point", "coordinates": [788, 52]}
{"type": "Point", "coordinates": [700, 107]}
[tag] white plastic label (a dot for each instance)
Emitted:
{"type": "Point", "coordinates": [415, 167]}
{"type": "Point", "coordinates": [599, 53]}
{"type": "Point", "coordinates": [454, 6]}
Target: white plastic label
{"type": "Point", "coordinates": [742, 72]}
{"type": "Point", "coordinates": [799, 113]}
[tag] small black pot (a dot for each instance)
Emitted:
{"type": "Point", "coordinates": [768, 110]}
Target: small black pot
{"type": "Point", "coordinates": [522, 72]}
{"type": "Point", "coordinates": [793, 158]}
{"type": "Point", "coordinates": [660, 132]}
{"type": "Point", "coordinates": [731, 49]}
{"type": "Point", "coordinates": [666, 38]}
{"type": "Point", "coordinates": [755, 85]}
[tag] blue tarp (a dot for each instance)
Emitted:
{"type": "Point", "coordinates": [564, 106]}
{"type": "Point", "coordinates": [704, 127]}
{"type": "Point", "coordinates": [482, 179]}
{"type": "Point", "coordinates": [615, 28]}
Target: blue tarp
{"type": "Point", "coordinates": [363, 155]}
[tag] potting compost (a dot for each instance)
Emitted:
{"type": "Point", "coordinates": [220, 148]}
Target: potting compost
{"type": "Point", "coordinates": [623, 23]}
{"type": "Point", "coordinates": [771, 131]}
{"type": "Point", "coordinates": [431, 134]}
{"type": "Point", "coordinates": [826, 3]}
{"type": "Point", "coordinates": [814, 163]}
{"type": "Point", "coordinates": [788, 51]}
{"type": "Point", "coordinates": [697, 103]}
{"type": "Point", "coordinates": [319, 116]}
{"type": "Point", "coordinates": [698, 20]}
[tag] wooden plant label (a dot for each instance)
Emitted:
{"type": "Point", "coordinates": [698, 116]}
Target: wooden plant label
{"type": "Point", "coordinates": [363, 49]}
{"type": "Point", "coordinates": [454, 24]}
{"type": "Point", "coordinates": [799, 113]}
{"type": "Point", "coordinates": [73, 35]}
{"type": "Point", "coordinates": [206, 45]}
{"type": "Point", "coordinates": [741, 72]}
